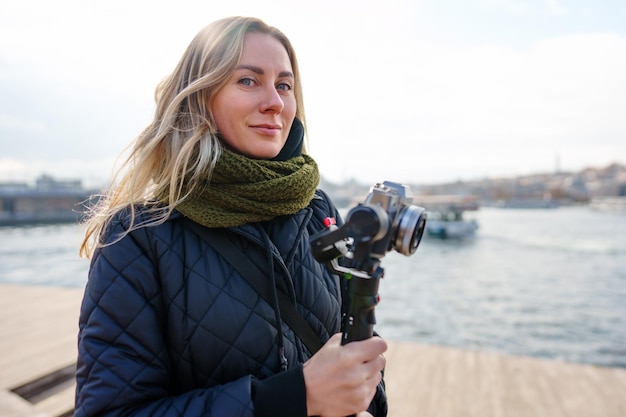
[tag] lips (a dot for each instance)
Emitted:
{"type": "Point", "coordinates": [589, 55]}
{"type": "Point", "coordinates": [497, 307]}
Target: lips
{"type": "Point", "coordinates": [267, 128]}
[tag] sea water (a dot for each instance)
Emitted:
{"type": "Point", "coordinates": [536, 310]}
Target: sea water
{"type": "Point", "coordinates": [547, 283]}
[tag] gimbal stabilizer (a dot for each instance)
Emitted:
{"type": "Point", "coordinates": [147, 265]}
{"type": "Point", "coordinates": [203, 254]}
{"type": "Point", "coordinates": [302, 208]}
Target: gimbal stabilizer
{"type": "Point", "coordinates": [371, 229]}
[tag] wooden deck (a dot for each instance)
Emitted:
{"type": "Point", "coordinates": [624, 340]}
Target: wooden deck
{"type": "Point", "coordinates": [38, 328]}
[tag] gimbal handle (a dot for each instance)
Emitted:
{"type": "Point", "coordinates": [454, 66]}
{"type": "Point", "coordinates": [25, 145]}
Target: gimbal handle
{"type": "Point", "coordinates": [362, 299]}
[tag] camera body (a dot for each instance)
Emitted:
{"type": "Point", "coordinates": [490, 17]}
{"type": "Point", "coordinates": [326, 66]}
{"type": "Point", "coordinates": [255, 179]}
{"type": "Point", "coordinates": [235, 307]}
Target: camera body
{"type": "Point", "coordinates": [406, 221]}
{"type": "Point", "coordinates": [385, 221]}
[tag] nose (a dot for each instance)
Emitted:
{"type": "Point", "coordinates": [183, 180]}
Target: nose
{"type": "Point", "coordinates": [272, 101]}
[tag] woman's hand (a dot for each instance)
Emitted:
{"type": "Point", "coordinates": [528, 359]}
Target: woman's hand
{"type": "Point", "coordinates": [342, 380]}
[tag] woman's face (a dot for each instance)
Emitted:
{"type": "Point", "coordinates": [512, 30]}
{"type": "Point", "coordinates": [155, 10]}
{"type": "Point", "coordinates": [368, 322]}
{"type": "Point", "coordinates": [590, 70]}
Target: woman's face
{"type": "Point", "coordinates": [254, 110]}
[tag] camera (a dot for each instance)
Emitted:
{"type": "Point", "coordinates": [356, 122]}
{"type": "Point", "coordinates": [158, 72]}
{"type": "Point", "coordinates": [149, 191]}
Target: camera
{"type": "Point", "coordinates": [385, 221]}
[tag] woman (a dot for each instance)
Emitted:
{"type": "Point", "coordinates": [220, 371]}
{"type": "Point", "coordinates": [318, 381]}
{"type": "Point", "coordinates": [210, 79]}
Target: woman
{"type": "Point", "coordinates": [168, 327]}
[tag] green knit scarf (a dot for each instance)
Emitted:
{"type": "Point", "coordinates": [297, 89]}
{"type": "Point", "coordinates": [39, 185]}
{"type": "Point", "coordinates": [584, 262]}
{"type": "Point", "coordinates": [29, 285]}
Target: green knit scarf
{"type": "Point", "coordinates": [243, 190]}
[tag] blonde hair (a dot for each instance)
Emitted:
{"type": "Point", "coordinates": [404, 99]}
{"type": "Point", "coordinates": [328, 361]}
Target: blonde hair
{"type": "Point", "coordinates": [179, 149]}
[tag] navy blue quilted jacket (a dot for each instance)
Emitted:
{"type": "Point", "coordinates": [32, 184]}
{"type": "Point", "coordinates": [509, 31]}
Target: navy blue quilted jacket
{"type": "Point", "coordinates": [169, 328]}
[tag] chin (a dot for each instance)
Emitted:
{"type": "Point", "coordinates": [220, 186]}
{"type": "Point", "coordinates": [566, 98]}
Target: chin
{"type": "Point", "coordinates": [262, 154]}
{"type": "Point", "coordinates": [266, 152]}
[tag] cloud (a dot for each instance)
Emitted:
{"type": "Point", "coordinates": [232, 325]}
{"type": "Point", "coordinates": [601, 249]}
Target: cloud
{"type": "Point", "coordinates": [487, 109]}
{"type": "Point", "coordinates": [515, 7]}
{"type": "Point", "coordinates": [16, 124]}
{"type": "Point", "coordinates": [399, 90]}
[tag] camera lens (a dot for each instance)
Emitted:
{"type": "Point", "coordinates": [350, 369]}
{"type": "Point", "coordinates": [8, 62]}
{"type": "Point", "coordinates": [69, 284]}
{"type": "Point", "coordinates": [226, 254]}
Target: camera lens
{"type": "Point", "coordinates": [410, 228]}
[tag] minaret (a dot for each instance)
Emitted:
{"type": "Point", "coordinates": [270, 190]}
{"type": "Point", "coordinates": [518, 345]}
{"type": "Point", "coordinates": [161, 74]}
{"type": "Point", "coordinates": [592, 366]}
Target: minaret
{"type": "Point", "coordinates": [557, 164]}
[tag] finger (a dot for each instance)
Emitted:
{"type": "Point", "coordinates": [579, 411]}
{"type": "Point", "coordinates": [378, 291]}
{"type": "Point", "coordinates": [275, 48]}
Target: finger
{"type": "Point", "coordinates": [367, 350]}
{"type": "Point", "coordinates": [376, 365]}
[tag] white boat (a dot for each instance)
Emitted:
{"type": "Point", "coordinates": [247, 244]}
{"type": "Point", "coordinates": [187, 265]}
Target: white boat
{"type": "Point", "coordinates": [450, 225]}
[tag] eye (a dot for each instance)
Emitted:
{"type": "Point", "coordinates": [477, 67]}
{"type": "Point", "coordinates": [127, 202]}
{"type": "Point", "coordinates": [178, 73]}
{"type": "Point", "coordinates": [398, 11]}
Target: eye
{"type": "Point", "coordinates": [246, 81]}
{"type": "Point", "coordinates": [284, 87]}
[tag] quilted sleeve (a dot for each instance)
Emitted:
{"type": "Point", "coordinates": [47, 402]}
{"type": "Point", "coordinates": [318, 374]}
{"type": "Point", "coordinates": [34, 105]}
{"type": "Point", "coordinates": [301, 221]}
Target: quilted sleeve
{"type": "Point", "coordinates": [123, 367]}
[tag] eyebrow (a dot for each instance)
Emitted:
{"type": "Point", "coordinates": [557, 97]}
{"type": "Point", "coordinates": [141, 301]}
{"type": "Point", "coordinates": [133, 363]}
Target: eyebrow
{"type": "Point", "coordinates": [258, 70]}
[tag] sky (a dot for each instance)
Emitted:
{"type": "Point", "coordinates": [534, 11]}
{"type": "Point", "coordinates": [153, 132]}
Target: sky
{"type": "Point", "coordinates": [414, 91]}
